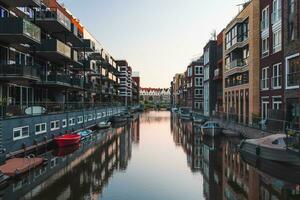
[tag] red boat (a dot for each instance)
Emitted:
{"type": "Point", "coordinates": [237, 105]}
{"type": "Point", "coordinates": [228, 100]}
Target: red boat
{"type": "Point", "coordinates": [67, 140]}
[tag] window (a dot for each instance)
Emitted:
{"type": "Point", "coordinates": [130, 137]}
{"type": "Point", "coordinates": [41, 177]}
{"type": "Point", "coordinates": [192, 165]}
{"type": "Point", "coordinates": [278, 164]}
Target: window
{"type": "Point", "coordinates": [3, 12]}
{"type": "Point", "coordinates": [265, 18]}
{"type": "Point", "coordinates": [190, 72]}
{"type": "Point", "coordinates": [277, 41]}
{"type": "Point", "coordinates": [264, 79]}
{"type": "Point", "coordinates": [72, 121]}
{"type": "Point", "coordinates": [264, 107]}
{"type": "Point", "coordinates": [198, 105]}
{"type": "Point", "coordinates": [40, 128]}
{"type": "Point", "coordinates": [198, 92]}
{"type": "Point", "coordinates": [20, 132]}
{"type": "Point", "coordinates": [276, 15]}
{"type": "Point", "coordinates": [198, 81]}
{"type": "Point", "coordinates": [265, 47]}
{"type": "Point", "coordinates": [277, 103]}
{"type": "Point", "coordinates": [80, 119]}
{"type": "Point", "coordinates": [54, 125]}
{"type": "Point", "coordinates": [292, 71]}
{"type": "Point", "coordinates": [276, 76]}
{"type": "Point", "coordinates": [199, 70]}
{"type": "Point", "coordinates": [64, 123]}
{"type": "Point", "coordinates": [90, 117]}
{"type": "Point", "coordinates": [291, 22]}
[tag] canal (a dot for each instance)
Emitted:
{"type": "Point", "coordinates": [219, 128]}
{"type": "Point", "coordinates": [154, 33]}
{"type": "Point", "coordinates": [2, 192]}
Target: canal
{"type": "Point", "coordinates": [155, 156]}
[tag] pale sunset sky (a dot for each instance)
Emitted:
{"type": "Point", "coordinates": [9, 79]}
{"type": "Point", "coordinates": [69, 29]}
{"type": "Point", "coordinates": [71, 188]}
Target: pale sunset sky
{"type": "Point", "coordinates": [158, 38]}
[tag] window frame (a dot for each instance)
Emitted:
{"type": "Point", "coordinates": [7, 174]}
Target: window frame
{"type": "Point", "coordinates": [41, 131]}
{"type": "Point", "coordinates": [21, 133]}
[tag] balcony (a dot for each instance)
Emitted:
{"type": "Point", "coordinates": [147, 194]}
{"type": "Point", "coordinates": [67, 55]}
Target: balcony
{"type": "Point", "coordinates": [96, 55]}
{"type": "Point", "coordinates": [63, 81]}
{"type": "Point", "coordinates": [53, 21]}
{"type": "Point", "coordinates": [75, 61]}
{"type": "Point", "coordinates": [236, 66]}
{"type": "Point", "coordinates": [22, 3]}
{"type": "Point", "coordinates": [15, 30]}
{"type": "Point", "coordinates": [217, 74]}
{"type": "Point", "coordinates": [87, 46]}
{"type": "Point", "coordinates": [54, 50]}
{"type": "Point", "coordinates": [14, 71]}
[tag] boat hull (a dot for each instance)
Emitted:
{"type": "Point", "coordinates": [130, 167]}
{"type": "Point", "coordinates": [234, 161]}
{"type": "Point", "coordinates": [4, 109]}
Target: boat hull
{"type": "Point", "coordinates": [67, 140]}
{"type": "Point", "coordinates": [211, 132]}
{"type": "Point", "coordinates": [274, 154]}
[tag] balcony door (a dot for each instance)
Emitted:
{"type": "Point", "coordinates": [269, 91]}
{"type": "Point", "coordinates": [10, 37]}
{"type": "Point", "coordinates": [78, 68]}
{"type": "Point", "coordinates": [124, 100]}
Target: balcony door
{"type": "Point", "coordinates": [3, 55]}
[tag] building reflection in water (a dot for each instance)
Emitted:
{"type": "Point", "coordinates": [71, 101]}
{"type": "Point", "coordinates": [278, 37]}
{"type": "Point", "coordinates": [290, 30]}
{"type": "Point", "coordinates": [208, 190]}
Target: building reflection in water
{"type": "Point", "coordinates": [227, 174]}
{"type": "Point", "coordinates": [80, 174]}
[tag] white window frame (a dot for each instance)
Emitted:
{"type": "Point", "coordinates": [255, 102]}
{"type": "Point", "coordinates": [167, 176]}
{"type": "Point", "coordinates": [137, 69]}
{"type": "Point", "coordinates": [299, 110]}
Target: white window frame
{"type": "Point", "coordinates": [264, 78]}
{"type": "Point", "coordinates": [21, 133]}
{"type": "Point", "coordinates": [200, 81]}
{"type": "Point", "coordinates": [200, 92]}
{"type": "Point", "coordinates": [41, 131]}
{"type": "Point", "coordinates": [287, 71]}
{"type": "Point", "coordinates": [72, 121]}
{"type": "Point", "coordinates": [277, 40]}
{"type": "Point", "coordinates": [276, 102]}
{"type": "Point", "coordinates": [265, 13]}
{"type": "Point", "coordinates": [64, 123]}
{"type": "Point", "coordinates": [264, 100]}
{"type": "Point", "coordinates": [199, 70]}
{"type": "Point", "coordinates": [57, 125]}
{"type": "Point", "coordinates": [90, 117]}
{"type": "Point", "coordinates": [278, 75]}
{"type": "Point", "coordinates": [265, 49]}
{"type": "Point", "coordinates": [79, 119]}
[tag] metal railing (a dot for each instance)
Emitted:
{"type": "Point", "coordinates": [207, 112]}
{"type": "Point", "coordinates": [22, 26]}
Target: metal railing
{"type": "Point", "coordinates": [29, 109]}
{"type": "Point", "coordinates": [17, 70]}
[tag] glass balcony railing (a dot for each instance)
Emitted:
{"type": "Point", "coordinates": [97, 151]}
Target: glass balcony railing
{"type": "Point", "coordinates": [238, 63]}
{"type": "Point", "coordinates": [18, 71]}
{"type": "Point", "coordinates": [31, 30]}
{"type": "Point", "coordinates": [54, 14]}
{"type": "Point", "coordinates": [19, 29]}
{"type": "Point", "coordinates": [63, 48]}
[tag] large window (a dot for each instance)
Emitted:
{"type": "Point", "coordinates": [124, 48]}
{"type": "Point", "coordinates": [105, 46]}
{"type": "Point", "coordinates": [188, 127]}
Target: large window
{"type": "Point", "coordinates": [72, 121]}
{"type": "Point", "coordinates": [276, 76]}
{"type": "Point", "coordinates": [276, 15]}
{"type": "Point", "coordinates": [265, 18]}
{"type": "Point", "coordinates": [264, 79]}
{"type": "Point", "coordinates": [40, 128]}
{"type": "Point", "coordinates": [20, 132]}
{"type": "Point", "coordinates": [277, 102]}
{"type": "Point", "coordinates": [198, 81]}
{"type": "Point", "coordinates": [54, 125]}
{"type": "Point", "coordinates": [198, 70]}
{"type": "Point", "coordinates": [265, 47]}
{"type": "Point", "coordinates": [292, 71]}
{"type": "Point", "coordinates": [277, 41]}
{"type": "Point", "coordinates": [291, 22]}
{"type": "Point", "coordinates": [198, 92]}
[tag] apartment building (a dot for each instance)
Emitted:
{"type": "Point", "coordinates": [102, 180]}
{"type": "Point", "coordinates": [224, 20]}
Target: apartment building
{"type": "Point", "coordinates": [125, 78]}
{"type": "Point", "coordinates": [210, 65]}
{"type": "Point", "coordinates": [136, 87]}
{"type": "Point", "coordinates": [218, 74]}
{"type": "Point", "coordinates": [241, 64]}
{"type": "Point", "coordinates": [271, 62]}
{"type": "Point", "coordinates": [291, 43]}
{"type": "Point", "coordinates": [53, 74]}
{"type": "Point", "coordinates": [176, 85]}
{"type": "Point", "coordinates": [197, 85]}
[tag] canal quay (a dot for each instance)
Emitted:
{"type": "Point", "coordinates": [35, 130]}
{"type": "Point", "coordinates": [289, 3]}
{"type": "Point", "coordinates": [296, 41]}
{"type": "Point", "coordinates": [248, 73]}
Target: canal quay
{"type": "Point", "coordinates": [155, 155]}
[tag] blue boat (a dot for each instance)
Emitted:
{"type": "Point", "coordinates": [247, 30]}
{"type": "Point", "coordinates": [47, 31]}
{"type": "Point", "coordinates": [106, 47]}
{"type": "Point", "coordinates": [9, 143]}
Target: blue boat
{"type": "Point", "coordinates": [85, 133]}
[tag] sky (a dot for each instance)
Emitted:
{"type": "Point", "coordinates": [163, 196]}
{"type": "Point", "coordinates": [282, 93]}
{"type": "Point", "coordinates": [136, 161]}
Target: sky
{"type": "Point", "coordinates": [158, 38]}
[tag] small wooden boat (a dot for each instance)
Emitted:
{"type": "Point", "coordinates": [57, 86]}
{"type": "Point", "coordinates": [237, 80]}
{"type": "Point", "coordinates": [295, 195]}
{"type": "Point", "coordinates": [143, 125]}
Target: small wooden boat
{"type": "Point", "coordinates": [67, 140]}
{"type": "Point", "coordinates": [185, 113]}
{"type": "Point", "coordinates": [273, 147]}
{"type": "Point", "coordinates": [104, 125]}
{"type": "Point", "coordinates": [85, 133]}
{"type": "Point", "coordinates": [211, 128]}
{"type": "Point", "coordinates": [17, 166]}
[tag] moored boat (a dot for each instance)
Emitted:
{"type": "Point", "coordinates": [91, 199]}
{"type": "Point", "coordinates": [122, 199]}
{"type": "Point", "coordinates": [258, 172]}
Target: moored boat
{"type": "Point", "coordinates": [119, 119]}
{"type": "Point", "coordinates": [211, 128]}
{"type": "Point", "coordinates": [200, 119]}
{"type": "Point", "coordinates": [104, 125]}
{"type": "Point", "coordinates": [67, 140]}
{"type": "Point", "coordinates": [273, 147]}
{"type": "Point", "coordinates": [85, 133]}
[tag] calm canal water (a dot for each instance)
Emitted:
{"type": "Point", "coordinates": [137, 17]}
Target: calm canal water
{"type": "Point", "coordinates": [155, 156]}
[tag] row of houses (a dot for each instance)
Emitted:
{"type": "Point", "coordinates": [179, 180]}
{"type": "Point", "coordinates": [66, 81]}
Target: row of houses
{"type": "Point", "coordinates": [156, 95]}
{"type": "Point", "coordinates": [54, 74]}
{"type": "Point", "coordinates": [249, 72]}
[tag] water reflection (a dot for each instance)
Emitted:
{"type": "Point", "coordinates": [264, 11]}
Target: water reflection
{"type": "Point", "coordinates": [229, 175]}
{"type": "Point", "coordinates": [156, 156]}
